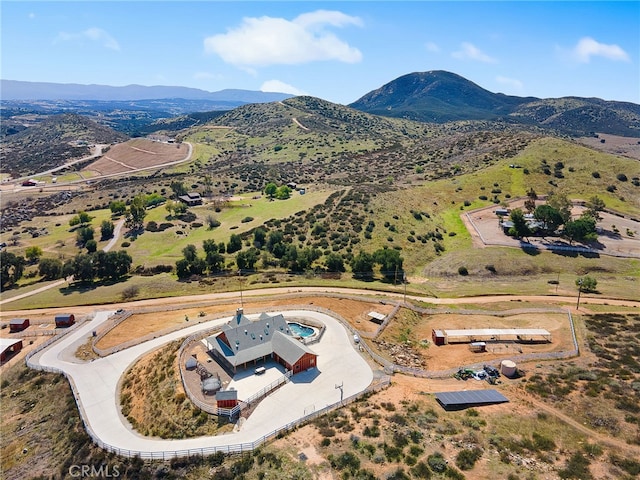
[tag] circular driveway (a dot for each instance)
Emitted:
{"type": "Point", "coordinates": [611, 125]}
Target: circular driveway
{"type": "Point", "coordinates": [96, 385]}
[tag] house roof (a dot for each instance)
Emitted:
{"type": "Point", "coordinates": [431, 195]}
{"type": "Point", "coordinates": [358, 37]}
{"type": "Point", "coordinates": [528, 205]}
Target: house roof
{"type": "Point", "coordinates": [17, 321]}
{"type": "Point", "coordinates": [64, 316]}
{"type": "Point", "coordinates": [498, 332]}
{"type": "Point", "coordinates": [243, 340]}
{"type": "Point", "coordinates": [289, 349]}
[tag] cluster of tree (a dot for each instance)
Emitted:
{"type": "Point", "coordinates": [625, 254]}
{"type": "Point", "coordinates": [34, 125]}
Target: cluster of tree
{"type": "Point", "coordinates": [389, 260]}
{"type": "Point", "coordinates": [87, 267]}
{"type": "Point", "coordinates": [11, 268]}
{"type": "Point", "coordinates": [280, 192]}
{"type": "Point", "coordinates": [81, 218]}
{"type": "Point", "coordinates": [192, 264]}
{"type": "Point", "coordinates": [553, 215]}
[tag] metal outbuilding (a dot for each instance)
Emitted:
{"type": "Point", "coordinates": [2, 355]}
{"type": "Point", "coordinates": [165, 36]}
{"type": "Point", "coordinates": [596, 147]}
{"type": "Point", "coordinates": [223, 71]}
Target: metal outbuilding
{"type": "Point", "coordinates": [18, 324]}
{"type": "Point", "coordinates": [65, 320]}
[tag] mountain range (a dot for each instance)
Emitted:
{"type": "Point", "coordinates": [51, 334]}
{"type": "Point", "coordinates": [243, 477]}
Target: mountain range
{"type": "Point", "coordinates": [439, 96]}
{"type": "Point", "coordinates": [19, 90]}
{"type": "Point", "coordinates": [434, 97]}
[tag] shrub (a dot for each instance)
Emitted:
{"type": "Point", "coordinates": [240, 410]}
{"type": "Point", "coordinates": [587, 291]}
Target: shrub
{"type": "Point", "coordinates": [125, 244]}
{"type": "Point", "coordinates": [621, 177]}
{"type": "Point", "coordinates": [437, 463]}
{"type": "Point", "coordinates": [595, 174]}
{"type": "Point", "coordinates": [463, 271]}
{"type": "Point", "coordinates": [246, 220]}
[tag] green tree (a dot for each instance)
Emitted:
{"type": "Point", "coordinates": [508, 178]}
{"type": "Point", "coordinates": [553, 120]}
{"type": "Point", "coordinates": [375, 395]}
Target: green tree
{"type": "Point", "coordinates": [83, 235]}
{"type": "Point", "coordinates": [270, 189]}
{"type": "Point", "coordinates": [581, 229]}
{"type": "Point", "coordinates": [190, 253]}
{"type": "Point", "coordinates": [586, 283]}
{"type": "Point", "coordinates": [561, 203]}
{"type": "Point", "coordinates": [33, 253]}
{"type": "Point", "coordinates": [137, 212]}
{"type": "Point", "coordinates": [595, 205]}
{"type": "Point", "coordinates": [259, 237]}
{"type": "Point", "coordinates": [549, 217]}
{"type": "Point", "coordinates": [520, 228]}
{"type": "Point", "coordinates": [213, 258]}
{"type": "Point", "coordinates": [247, 259]}
{"type": "Point", "coordinates": [362, 266]}
{"type": "Point", "coordinates": [91, 245]}
{"type": "Point", "coordinates": [83, 268]}
{"type": "Point", "coordinates": [178, 188]}
{"type": "Point", "coordinates": [530, 202]}
{"type": "Point", "coordinates": [11, 268]}
{"type": "Point", "coordinates": [106, 229]}
{"type": "Point", "coordinates": [80, 219]}
{"type": "Point", "coordinates": [334, 262]}
{"type": "Point", "coordinates": [50, 268]}
{"type": "Point", "coordinates": [274, 240]}
{"type": "Point", "coordinates": [182, 268]}
{"type": "Point", "coordinates": [235, 243]}
{"type": "Point", "coordinates": [283, 192]}
{"type": "Point", "coordinates": [117, 207]}
{"type": "Point", "coordinates": [390, 263]}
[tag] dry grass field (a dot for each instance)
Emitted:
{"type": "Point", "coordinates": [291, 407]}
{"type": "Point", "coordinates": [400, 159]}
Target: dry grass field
{"type": "Point", "coordinates": [137, 154]}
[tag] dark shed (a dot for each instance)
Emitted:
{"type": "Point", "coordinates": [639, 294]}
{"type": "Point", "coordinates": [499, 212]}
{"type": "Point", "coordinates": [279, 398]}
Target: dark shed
{"type": "Point", "coordinates": [65, 320]}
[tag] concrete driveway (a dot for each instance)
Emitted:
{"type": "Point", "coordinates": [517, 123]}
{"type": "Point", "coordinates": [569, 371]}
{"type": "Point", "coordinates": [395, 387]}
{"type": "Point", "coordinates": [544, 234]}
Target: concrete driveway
{"type": "Point", "coordinates": [96, 384]}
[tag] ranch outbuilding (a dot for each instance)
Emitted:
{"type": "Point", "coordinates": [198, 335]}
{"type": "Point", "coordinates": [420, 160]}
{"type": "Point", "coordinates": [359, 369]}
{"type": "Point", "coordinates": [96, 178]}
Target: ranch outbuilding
{"type": "Point", "coordinates": [65, 320]}
{"type": "Point", "coordinates": [18, 324]}
{"type": "Point", "coordinates": [471, 335]}
{"type": "Point", "coordinates": [9, 347]}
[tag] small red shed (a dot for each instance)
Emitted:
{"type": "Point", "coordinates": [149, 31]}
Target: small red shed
{"type": "Point", "coordinates": [18, 324]}
{"type": "Point", "coordinates": [65, 320]}
{"type": "Point", "coordinates": [227, 398]}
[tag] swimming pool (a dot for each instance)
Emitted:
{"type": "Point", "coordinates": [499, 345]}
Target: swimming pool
{"type": "Point", "coordinates": [300, 330]}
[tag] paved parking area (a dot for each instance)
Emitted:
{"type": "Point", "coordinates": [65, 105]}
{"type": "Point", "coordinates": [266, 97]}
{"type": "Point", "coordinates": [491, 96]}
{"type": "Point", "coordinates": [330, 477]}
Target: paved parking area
{"type": "Point", "coordinates": [96, 384]}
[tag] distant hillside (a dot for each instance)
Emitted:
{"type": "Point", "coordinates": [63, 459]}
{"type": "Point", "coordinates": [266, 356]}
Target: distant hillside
{"type": "Point", "coordinates": [52, 142]}
{"type": "Point", "coordinates": [439, 96]}
{"type": "Point", "coordinates": [18, 90]}
{"type": "Point", "coordinates": [310, 140]}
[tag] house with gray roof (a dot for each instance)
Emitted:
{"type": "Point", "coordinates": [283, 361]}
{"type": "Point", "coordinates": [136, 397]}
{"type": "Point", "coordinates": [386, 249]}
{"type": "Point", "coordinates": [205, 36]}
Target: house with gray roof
{"type": "Point", "coordinates": [244, 342]}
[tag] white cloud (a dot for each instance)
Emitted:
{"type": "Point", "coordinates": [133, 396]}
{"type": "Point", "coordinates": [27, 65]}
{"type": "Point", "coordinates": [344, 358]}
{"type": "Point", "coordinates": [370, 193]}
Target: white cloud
{"type": "Point", "coordinates": [32, 16]}
{"type": "Point", "coordinates": [587, 47]}
{"type": "Point", "coordinates": [512, 83]}
{"type": "Point", "coordinates": [470, 52]}
{"type": "Point", "coordinates": [93, 34]}
{"type": "Point", "coordinates": [277, 41]}
{"type": "Point", "coordinates": [280, 87]}
{"type": "Point", "coordinates": [432, 47]}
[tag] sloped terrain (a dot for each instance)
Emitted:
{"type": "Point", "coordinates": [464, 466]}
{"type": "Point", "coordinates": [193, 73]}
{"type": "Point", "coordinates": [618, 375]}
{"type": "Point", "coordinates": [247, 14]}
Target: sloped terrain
{"type": "Point", "coordinates": [53, 142]}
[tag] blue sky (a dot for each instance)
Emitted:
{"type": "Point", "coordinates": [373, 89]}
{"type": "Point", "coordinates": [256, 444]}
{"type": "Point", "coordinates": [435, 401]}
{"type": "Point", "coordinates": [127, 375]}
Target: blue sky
{"type": "Point", "coordinates": [336, 50]}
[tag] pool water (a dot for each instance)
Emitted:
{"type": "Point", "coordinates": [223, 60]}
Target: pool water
{"type": "Point", "coordinates": [300, 330]}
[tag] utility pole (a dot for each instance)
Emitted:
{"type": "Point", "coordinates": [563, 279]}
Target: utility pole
{"type": "Point", "coordinates": [404, 280]}
{"type": "Point", "coordinates": [241, 299]}
{"type": "Point", "coordinates": [579, 291]}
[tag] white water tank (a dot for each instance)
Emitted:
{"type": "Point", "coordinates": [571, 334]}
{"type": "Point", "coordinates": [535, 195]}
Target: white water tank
{"type": "Point", "coordinates": [508, 368]}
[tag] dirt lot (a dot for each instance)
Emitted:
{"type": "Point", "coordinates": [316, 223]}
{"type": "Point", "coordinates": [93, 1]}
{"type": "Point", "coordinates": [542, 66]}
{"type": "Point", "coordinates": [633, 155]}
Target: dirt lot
{"type": "Point", "coordinates": [136, 154]}
{"type": "Point", "coordinates": [485, 230]}
{"type": "Point", "coordinates": [143, 323]}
